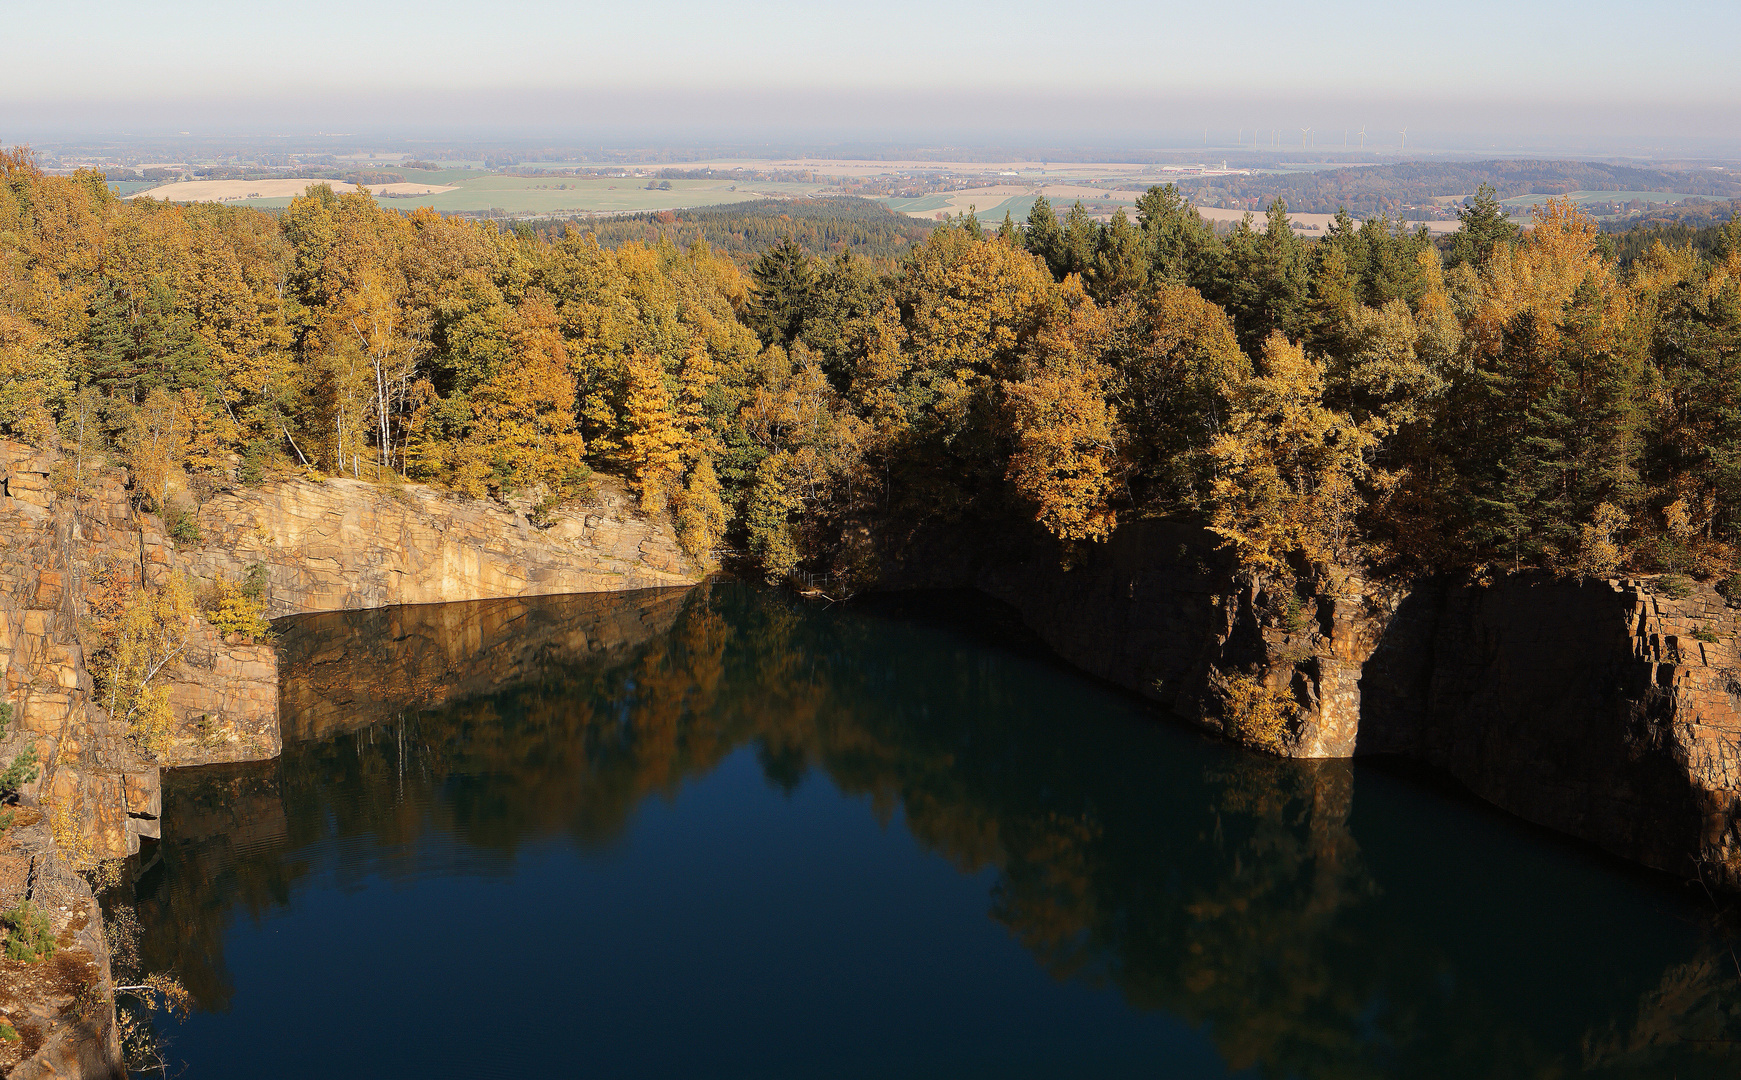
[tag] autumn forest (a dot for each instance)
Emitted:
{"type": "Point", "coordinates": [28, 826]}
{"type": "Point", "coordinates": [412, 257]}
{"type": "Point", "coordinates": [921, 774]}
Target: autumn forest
{"type": "Point", "coordinates": [1508, 400]}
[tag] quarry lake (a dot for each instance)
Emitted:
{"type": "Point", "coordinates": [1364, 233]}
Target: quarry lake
{"type": "Point", "coordinates": [726, 832]}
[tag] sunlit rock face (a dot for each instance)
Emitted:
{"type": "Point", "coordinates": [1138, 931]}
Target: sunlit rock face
{"type": "Point", "coordinates": [337, 545]}
{"type": "Point", "coordinates": [345, 545]}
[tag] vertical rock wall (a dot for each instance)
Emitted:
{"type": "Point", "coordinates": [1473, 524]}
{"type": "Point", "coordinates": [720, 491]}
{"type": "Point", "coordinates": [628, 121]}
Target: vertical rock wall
{"type": "Point", "coordinates": [1607, 710]}
{"type": "Point", "coordinates": [344, 545]}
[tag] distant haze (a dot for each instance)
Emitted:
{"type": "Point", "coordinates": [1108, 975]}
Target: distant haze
{"type": "Point", "coordinates": [1546, 75]}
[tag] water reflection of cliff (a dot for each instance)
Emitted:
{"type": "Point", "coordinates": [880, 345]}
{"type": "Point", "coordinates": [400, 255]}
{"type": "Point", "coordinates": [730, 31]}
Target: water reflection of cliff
{"type": "Point", "coordinates": [345, 670]}
{"type": "Point", "coordinates": [1224, 888]}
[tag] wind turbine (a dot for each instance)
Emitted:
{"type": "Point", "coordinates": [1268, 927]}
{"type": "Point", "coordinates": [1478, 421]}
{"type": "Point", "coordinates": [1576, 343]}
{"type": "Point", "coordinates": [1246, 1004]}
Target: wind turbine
{"type": "Point", "coordinates": [1405, 138]}
{"type": "Point", "coordinates": [1362, 136]}
{"type": "Point", "coordinates": [1303, 133]}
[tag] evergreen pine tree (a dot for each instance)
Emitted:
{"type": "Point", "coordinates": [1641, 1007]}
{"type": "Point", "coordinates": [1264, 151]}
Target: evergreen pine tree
{"type": "Point", "coordinates": [1484, 226]}
{"type": "Point", "coordinates": [784, 280]}
{"type": "Point", "coordinates": [1045, 238]}
{"type": "Point", "coordinates": [1119, 266]}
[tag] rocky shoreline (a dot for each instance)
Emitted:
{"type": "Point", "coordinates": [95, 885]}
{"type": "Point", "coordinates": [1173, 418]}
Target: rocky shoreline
{"type": "Point", "coordinates": [335, 545]}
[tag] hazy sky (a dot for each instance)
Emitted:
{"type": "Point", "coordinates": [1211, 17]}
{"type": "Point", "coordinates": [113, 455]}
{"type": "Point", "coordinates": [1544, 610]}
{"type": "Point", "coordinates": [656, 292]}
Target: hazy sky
{"type": "Point", "coordinates": [875, 69]}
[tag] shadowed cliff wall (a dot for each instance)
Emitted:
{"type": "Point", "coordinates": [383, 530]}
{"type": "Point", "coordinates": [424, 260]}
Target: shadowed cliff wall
{"type": "Point", "coordinates": [1588, 706]}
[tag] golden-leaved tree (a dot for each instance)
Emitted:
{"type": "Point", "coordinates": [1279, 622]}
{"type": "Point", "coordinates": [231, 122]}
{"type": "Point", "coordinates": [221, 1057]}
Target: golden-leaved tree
{"type": "Point", "coordinates": [524, 432]}
{"type": "Point", "coordinates": [1182, 366]}
{"type": "Point", "coordinates": [812, 447]}
{"type": "Point", "coordinates": [1288, 469]}
{"type": "Point", "coordinates": [1066, 457]}
{"type": "Point", "coordinates": [35, 380]}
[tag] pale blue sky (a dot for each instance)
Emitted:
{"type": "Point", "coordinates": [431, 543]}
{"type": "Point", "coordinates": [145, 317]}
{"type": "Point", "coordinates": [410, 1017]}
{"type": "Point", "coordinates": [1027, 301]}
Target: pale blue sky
{"type": "Point", "coordinates": [1478, 65]}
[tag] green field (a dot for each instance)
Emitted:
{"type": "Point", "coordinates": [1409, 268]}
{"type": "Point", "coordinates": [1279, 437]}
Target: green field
{"type": "Point", "coordinates": [479, 192]}
{"type": "Point", "coordinates": [919, 205]}
{"type": "Point", "coordinates": [1018, 208]}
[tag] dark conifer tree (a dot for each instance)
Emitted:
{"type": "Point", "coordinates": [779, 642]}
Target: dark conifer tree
{"type": "Point", "coordinates": [141, 343]}
{"type": "Point", "coordinates": [1081, 237]}
{"type": "Point", "coordinates": [1182, 247]}
{"type": "Point", "coordinates": [1120, 267]}
{"type": "Point", "coordinates": [1484, 225]}
{"type": "Point", "coordinates": [784, 280]}
{"type": "Point", "coordinates": [1045, 237]}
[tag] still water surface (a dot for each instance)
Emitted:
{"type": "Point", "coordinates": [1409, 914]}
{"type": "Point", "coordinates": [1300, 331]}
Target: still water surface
{"type": "Point", "coordinates": [725, 833]}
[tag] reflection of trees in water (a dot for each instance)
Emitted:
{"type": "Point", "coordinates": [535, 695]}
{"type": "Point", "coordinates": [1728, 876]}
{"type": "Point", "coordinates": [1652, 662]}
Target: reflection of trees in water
{"type": "Point", "coordinates": [1225, 888]}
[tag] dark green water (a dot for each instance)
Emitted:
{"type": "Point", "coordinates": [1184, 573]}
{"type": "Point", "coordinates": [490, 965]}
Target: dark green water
{"type": "Point", "coordinates": [727, 833]}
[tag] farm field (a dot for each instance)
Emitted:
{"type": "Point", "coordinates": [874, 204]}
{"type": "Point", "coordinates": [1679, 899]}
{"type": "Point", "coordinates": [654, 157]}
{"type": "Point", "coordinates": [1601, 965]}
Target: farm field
{"type": "Point", "coordinates": [1523, 202]}
{"type": "Point", "coordinates": [464, 190]}
{"type": "Point", "coordinates": [256, 191]}
{"type": "Point", "coordinates": [869, 168]}
{"type": "Point", "coordinates": [990, 205]}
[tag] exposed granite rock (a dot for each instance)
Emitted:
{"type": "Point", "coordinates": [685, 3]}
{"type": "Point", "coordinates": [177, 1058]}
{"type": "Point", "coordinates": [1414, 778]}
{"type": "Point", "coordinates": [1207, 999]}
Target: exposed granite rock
{"type": "Point", "coordinates": [44, 563]}
{"type": "Point", "coordinates": [344, 544]}
{"type": "Point", "coordinates": [339, 545]}
{"type": "Point", "coordinates": [1589, 707]}
{"type": "Point", "coordinates": [63, 1007]}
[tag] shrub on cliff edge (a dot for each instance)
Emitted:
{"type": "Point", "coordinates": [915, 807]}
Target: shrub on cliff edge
{"type": "Point", "coordinates": [234, 608]}
{"type": "Point", "coordinates": [29, 934]}
{"type": "Point", "coordinates": [23, 768]}
{"type": "Point", "coordinates": [1255, 714]}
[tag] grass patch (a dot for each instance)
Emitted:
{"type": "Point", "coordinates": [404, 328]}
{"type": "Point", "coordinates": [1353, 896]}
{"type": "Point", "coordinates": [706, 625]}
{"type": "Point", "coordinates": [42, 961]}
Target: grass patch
{"type": "Point", "coordinates": [1675, 586]}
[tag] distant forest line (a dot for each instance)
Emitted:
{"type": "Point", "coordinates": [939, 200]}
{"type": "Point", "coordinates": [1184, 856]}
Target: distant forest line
{"type": "Point", "coordinates": [1367, 191]}
{"type": "Point", "coordinates": [827, 227]}
{"type": "Point", "coordinates": [819, 227]}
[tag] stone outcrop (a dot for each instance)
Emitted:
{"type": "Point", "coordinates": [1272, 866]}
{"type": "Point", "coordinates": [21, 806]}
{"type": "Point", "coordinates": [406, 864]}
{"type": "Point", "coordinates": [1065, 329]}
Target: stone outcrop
{"type": "Point", "coordinates": [344, 545]}
{"type": "Point", "coordinates": [62, 1008]}
{"type": "Point", "coordinates": [1608, 710]}
{"type": "Point", "coordinates": [87, 767]}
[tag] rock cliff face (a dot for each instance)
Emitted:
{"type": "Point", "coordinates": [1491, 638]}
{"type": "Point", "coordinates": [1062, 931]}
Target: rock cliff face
{"type": "Point", "coordinates": [344, 545]}
{"type": "Point", "coordinates": [62, 1008]}
{"type": "Point", "coordinates": [338, 545]}
{"type": "Point", "coordinates": [1607, 710]}
{"type": "Point", "coordinates": [47, 558]}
